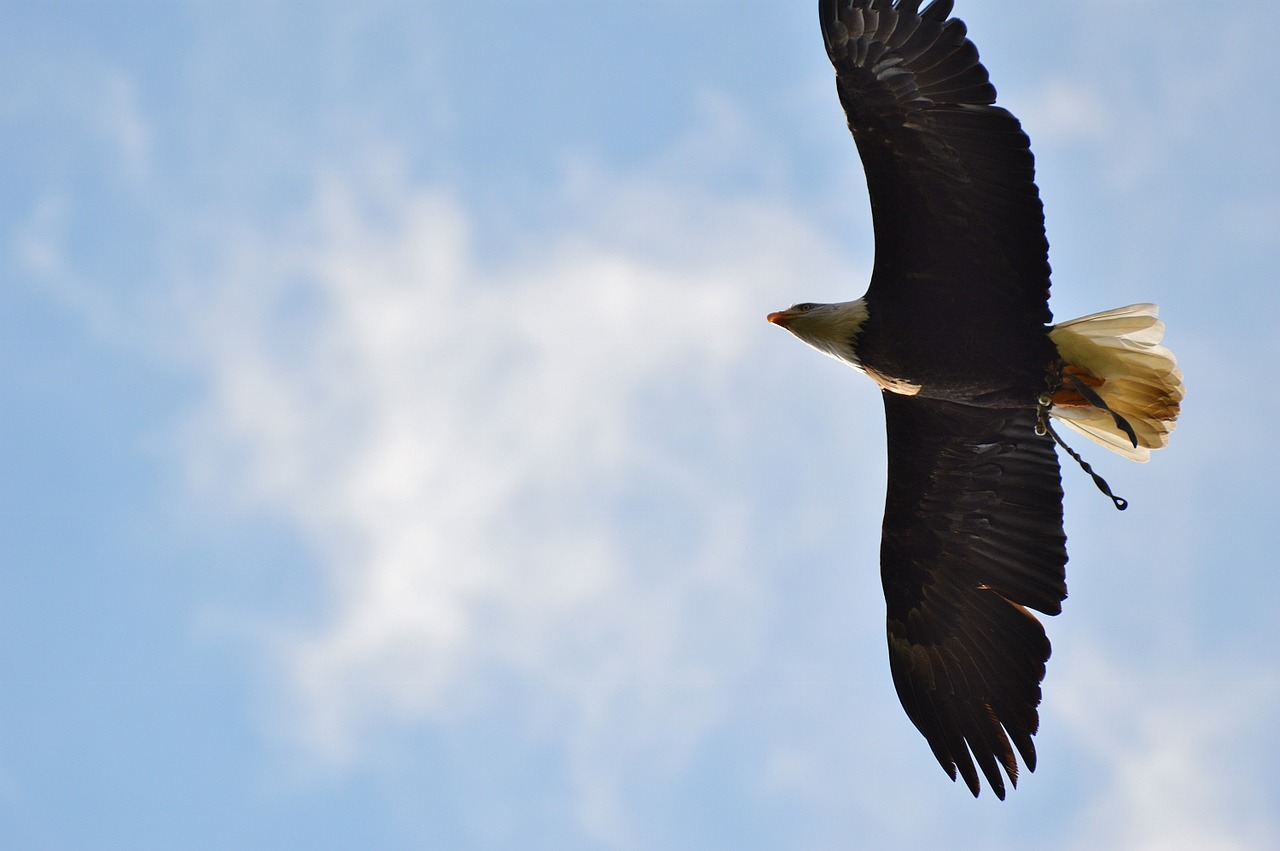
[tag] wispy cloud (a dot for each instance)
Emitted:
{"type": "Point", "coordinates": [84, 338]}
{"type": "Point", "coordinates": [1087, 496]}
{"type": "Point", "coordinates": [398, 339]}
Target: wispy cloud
{"type": "Point", "coordinates": [1063, 110]}
{"type": "Point", "coordinates": [508, 473]}
{"type": "Point", "coordinates": [38, 242]}
{"type": "Point", "coordinates": [1174, 751]}
{"type": "Point", "coordinates": [123, 125]}
{"type": "Point", "coordinates": [83, 98]}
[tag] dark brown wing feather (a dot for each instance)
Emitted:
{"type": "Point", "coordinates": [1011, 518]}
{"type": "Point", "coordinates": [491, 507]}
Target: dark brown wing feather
{"type": "Point", "coordinates": [959, 226]}
{"type": "Point", "coordinates": [972, 536]}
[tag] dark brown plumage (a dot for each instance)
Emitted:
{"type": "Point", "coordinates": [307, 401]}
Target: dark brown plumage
{"type": "Point", "coordinates": [957, 304]}
{"type": "Point", "coordinates": [954, 328]}
{"type": "Point", "coordinates": [972, 535]}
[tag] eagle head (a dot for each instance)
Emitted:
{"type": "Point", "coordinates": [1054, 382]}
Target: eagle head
{"type": "Point", "coordinates": [832, 329]}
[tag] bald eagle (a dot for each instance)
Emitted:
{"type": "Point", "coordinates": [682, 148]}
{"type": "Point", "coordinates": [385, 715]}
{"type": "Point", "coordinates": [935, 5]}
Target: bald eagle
{"type": "Point", "coordinates": [955, 328]}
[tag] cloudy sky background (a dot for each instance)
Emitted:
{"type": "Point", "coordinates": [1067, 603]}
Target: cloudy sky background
{"type": "Point", "coordinates": [396, 455]}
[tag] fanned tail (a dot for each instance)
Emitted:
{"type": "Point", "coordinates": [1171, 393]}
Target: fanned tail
{"type": "Point", "coordinates": [1118, 356]}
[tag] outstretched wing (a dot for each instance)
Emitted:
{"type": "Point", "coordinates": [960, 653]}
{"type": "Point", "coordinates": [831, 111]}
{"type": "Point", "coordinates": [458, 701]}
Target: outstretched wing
{"type": "Point", "coordinates": [958, 219]}
{"type": "Point", "coordinates": [972, 536]}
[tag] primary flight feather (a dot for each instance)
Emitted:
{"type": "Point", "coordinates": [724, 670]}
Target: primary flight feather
{"type": "Point", "coordinates": [954, 328]}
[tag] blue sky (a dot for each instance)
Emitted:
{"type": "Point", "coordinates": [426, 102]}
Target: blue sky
{"type": "Point", "coordinates": [396, 455]}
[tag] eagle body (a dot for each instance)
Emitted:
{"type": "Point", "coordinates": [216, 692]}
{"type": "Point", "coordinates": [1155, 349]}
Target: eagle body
{"type": "Point", "coordinates": [956, 330]}
{"type": "Point", "coordinates": [981, 364]}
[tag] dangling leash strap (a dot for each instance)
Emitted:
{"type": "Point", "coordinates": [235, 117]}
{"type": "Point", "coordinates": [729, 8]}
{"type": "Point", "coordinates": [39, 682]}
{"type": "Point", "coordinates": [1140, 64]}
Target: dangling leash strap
{"type": "Point", "coordinates": [1043, 427]}
{"type": "Point", "coordinates": [1120, 502]}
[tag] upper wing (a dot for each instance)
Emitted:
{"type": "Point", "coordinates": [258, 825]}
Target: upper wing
{"type": "Point", "coordinates": [972, 534]}
{"type": "Point", "coordinates": [951, 176]}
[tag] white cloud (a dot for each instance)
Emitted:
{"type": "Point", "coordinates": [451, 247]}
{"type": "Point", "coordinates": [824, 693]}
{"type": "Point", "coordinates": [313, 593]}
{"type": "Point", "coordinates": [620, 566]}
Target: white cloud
{"type": "Point", "coordinates": [1066, 111]}
{"type": "Point", "coordinates": [508, 474]}
{"type": "Point", "coordinates": [87, 100]}
{"type": "Point", "coordinates": [1174, 751]}
{"type": "Point", "coordinates": [38, 242]}
{"type": "Point", "coordinates": [118, 117]}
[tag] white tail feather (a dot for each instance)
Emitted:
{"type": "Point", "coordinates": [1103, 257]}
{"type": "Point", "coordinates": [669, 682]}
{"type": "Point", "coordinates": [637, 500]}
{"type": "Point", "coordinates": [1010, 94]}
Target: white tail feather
{"type": "Point", "coordinates": [1140, 378]}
